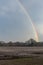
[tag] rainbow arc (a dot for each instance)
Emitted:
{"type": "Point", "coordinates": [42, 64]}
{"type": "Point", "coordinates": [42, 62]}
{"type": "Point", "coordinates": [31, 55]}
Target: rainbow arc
{"type": "Point", "coordinates": [32, 23]}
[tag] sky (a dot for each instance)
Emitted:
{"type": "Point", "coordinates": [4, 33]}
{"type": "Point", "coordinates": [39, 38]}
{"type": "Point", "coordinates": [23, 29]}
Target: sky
{"type": "Point", "coordinates": [15, 25]}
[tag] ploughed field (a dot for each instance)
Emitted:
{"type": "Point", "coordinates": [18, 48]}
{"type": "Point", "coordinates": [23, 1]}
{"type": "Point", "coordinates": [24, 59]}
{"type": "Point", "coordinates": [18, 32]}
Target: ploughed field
{"type": "Point", "coordinates": [21, 51]}
{"type": "Point", "coordinates": [21, 55]}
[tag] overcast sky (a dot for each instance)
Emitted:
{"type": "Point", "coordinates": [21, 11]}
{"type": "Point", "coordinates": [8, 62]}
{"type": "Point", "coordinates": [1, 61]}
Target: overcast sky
{"type": "Point", "coordinates": [14, 24]}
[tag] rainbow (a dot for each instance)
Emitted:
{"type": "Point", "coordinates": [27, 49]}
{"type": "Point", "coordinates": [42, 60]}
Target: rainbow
{"type": "Point", "coordinates": [27, 14]}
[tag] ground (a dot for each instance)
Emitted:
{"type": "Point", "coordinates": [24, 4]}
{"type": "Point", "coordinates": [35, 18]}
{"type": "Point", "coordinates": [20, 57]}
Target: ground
{"type": "Point", "coordinates": [35, 55]}
{"type": "Point", "coordinates": [23, 61]}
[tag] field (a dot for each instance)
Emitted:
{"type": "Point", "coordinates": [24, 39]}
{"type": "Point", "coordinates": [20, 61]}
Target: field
{"type": "Point", "coordinates": [23, 61]}
{"type": "Point", "coordinates": [21, 55]}
{"type": "Point", "coordinates": [21, 51]}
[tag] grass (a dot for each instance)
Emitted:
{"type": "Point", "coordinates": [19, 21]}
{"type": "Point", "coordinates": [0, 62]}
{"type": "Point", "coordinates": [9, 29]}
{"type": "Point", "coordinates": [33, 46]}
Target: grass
{"type": "Point", "coordinates": [23, 61]}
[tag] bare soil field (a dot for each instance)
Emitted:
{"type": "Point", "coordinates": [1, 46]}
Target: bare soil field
{"type": "Point", "coordinates": [21, 51]}
{"type": "Point", "coordinates": [25, 55]}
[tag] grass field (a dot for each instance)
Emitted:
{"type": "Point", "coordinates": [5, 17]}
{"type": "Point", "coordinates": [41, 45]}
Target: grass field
{"type": "Point", "coordinates": [23, 61]}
